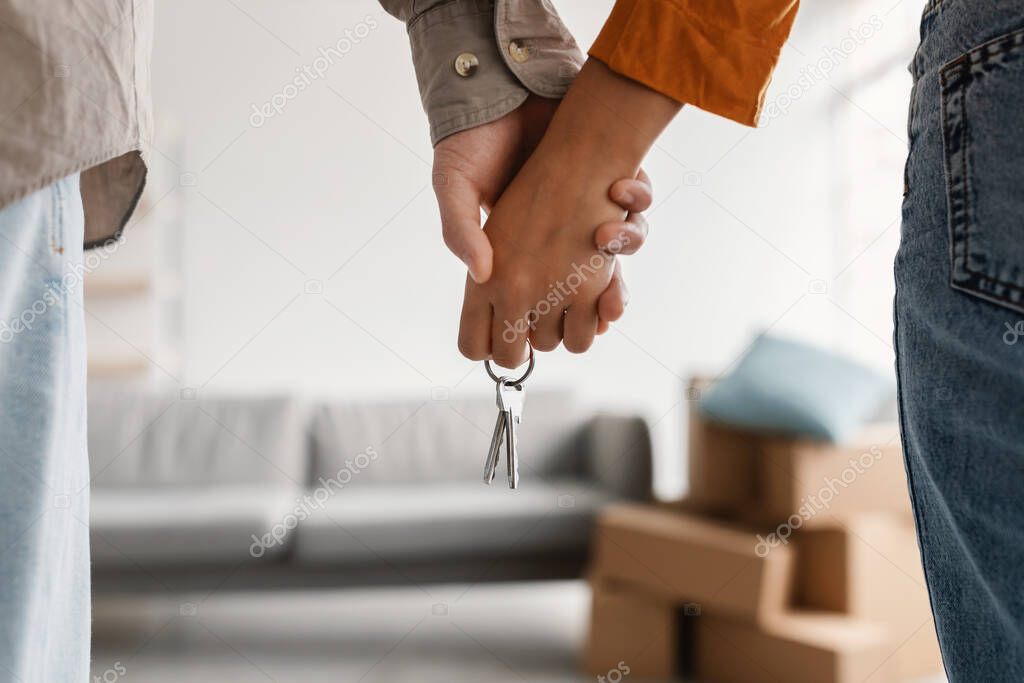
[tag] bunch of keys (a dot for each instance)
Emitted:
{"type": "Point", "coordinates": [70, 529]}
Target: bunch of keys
{"type": "Point", "coordinates": [511, 395]}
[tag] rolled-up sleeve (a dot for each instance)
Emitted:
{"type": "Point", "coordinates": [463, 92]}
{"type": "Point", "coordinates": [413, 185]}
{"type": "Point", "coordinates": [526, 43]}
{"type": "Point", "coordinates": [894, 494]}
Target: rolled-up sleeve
{"type": "Point", "coordinates": [717, 55]}
{"type": "Point", "coordinates": [477, 60]}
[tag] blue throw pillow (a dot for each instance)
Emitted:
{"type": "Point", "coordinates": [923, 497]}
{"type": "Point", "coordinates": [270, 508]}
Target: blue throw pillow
{"type": "Point", "coordinates": [794, 388]}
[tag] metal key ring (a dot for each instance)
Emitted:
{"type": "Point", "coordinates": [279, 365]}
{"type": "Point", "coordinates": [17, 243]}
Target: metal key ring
{"type": "Point", "coordinates": [518, 382]}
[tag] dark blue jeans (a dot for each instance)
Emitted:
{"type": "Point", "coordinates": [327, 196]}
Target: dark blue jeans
{"type": "Point", "coordinates": [960, 330]}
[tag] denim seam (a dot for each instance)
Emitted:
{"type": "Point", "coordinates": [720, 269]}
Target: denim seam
{"type": "Point", "coordinates": [57, 217]}
{"type": "Point", "coordinates": [915, 506]}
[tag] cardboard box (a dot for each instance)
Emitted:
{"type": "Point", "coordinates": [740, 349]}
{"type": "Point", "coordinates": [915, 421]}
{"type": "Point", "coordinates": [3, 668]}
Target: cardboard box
{"type": "Point", "coordinates": [683, 558]}
{"type": "Point", "coordinates": [765, 478]}
{"type": "Point", "coordinates": [871, 568]}
{"type": "Point", "coordinates": [631, 633]}
{"type": "Point", "coordinates": [722, 460]}
{"type": "Point", "coordinates": [795, 648]}
{"type": "Point", "coordinates": [823, 484]}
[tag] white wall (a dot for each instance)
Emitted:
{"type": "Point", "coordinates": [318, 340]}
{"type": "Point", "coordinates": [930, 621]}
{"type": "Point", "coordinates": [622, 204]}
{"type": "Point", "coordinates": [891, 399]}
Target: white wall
{"type": "Point", "coordinates": [336, 189]}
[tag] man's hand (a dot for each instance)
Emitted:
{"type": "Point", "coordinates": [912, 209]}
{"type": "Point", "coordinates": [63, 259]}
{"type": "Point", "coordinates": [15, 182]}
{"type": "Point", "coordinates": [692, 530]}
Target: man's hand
{"type": "Point", "coordinates": [549, 271]}
{"type": "Point", "coordinates": [472, 169]}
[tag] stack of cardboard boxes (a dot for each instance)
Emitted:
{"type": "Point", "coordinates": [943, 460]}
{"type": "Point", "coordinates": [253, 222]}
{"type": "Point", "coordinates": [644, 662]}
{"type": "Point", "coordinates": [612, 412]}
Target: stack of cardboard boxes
{"type": "Point", "coordinates": [792, 561]}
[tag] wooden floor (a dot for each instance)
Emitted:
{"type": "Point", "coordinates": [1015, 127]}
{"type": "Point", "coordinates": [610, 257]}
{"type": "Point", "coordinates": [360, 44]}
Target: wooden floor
{"type": "Point", "coordinates": [521, 633]}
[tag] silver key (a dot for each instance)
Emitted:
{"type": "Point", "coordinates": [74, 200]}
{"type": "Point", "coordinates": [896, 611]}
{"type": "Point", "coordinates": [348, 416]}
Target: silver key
{"type": "Point", "coordinates": [511, 395]}
{"type": "Point", "coordinates": [511, 398]}
{"type": "Point", "coordinates": [494, 452]}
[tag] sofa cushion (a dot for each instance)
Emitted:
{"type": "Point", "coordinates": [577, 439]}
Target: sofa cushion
{"type": "Point", "coordinates": [190, 525]}
{"type": "Point", "coordinates": [170, 439]}
{"type": "Point", "coordinates": [444, 521]}
{"type": "Point", "coordinates": [444, 441]}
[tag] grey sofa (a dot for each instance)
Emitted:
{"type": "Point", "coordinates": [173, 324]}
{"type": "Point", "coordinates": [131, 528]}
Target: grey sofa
{"type": "Point", "coordinates": [255, 492]}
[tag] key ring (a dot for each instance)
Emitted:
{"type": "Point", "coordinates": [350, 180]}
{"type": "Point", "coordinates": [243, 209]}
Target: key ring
{"type": "Point", "coordinates": [518, 382]}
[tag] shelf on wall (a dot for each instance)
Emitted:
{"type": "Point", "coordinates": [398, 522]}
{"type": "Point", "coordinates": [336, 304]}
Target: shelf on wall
{"type": "Point", "coordinates": [111, 286]}
{"type": "Point", "coordinates": [108, 285]}
{"type": "Point", "coordinates": [117, 367]}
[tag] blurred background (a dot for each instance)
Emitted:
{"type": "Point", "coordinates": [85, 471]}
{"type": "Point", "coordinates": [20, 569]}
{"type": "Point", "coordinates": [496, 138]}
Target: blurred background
{"type": "Point", "coordinates": [283, 302]}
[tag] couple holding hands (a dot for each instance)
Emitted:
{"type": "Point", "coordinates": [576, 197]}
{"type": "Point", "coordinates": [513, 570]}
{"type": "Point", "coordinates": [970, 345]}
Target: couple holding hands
{"type": "Point", "coordinates": [552, 152]}
{"type": "Point", "coordinates": [550, 146]}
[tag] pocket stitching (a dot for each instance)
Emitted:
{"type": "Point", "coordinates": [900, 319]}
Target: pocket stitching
{"type": "Point", "coordinates": [959, 220]}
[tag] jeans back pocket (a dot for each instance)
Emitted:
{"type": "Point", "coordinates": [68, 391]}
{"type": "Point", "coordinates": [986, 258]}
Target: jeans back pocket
{"type": "Point", "coordinates": [983, 139]}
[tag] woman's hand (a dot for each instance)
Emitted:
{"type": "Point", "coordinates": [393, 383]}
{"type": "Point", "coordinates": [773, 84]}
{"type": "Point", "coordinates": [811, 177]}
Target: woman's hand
{"type": "Point", "coordinates": [473, 168]}
{"type": "Point", "coordinates": [550, 270]}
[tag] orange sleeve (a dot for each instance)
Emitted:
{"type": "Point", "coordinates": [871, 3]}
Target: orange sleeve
{"type": "Point", "coordinates": [714, 54]}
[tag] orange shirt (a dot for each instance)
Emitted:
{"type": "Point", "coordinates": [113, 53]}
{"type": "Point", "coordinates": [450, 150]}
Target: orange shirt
{"type": "Point", "coordinates": [714, 54]}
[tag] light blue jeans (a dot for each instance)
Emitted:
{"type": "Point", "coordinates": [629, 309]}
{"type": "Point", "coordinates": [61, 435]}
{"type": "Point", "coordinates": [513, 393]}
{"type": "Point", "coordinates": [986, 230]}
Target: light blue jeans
{"type": "Point", "coordinates": [960, 330]}
{"type": "Point", "coordinates": [44, 474]}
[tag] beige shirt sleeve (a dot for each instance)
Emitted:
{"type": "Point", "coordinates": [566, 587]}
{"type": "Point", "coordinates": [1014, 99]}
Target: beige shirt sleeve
{"type": "Point", "coordinates": [477, 60]}
{"type": "Point", "coordinates": [74, 95]}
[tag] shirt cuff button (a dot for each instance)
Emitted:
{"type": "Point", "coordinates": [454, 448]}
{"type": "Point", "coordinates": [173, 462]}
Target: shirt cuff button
{"type": "Point", "coordinates": [519, 51]}
{"type": "Point", "coordinates": [466, 64]}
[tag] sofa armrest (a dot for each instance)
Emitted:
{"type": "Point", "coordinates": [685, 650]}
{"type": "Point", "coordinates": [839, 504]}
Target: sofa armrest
{"type": "Point", "coordinates": [617, 455]}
